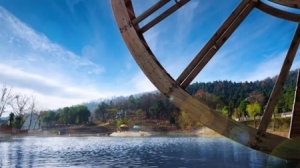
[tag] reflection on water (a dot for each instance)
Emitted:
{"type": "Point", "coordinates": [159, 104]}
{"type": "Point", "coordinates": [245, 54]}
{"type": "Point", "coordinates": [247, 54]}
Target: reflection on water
{"type": "Point", "coordinates": [131, 152]}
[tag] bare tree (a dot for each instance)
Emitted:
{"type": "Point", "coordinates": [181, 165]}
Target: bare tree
{"type": "Point", "coordinates": [6, 98]}
{"type": "Point", "coordinates": [19, 106]}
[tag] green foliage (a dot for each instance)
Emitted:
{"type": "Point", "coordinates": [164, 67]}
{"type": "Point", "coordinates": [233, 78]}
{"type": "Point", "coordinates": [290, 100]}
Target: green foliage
{"type": "Point", "coordinates": [254, 109]}
{"type": "Point", "coordinates": [158, 108]}
{"type": "Point", "coordinates": [119, 122]}
{"type": "Point", "coordinates": [101, 111]}
{"type": "Point", "coordinates": [138, 114]}
{"type": "Point", "coordinates": [11, 118]}
{"type": "Point", "coordinates": [68, 115]}
{"type": "Point", "coordinates": [234, 94]}
{"type": "Point", "coordinates": [172, 120]}
{"type": "Point", "coordinates": [237, 113]}
{"type": "Point", "coordinates": [18, 122]}
{"type": "Point", "coordinates": [225, 111]}
{"type": "Point", "coordinates": [243, 107]}
{"type": "Point", "coordinates": [186, 121]}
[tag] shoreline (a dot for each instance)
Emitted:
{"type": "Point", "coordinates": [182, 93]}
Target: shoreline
{"type": "Point", "coordinates": [201, 132]}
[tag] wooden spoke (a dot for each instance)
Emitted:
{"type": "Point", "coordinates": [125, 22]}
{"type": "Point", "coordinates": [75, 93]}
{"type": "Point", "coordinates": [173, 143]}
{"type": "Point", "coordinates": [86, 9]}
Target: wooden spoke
{"type": "Point", "coordinates": [277, 12]}
{"type": "Point", "coordinates": [150, 11]}
{"type": "Point", "coordinates": [289, 3]}
{"type": "Point", "coordinates": [162, 16]}
{"type": "Point", "coordinates": [295, 120]}
{"type": "Point", "coordinates": [279, 83]}
{"type": "Point", "coordinates": [213, 45]}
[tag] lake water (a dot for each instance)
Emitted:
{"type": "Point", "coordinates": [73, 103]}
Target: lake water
{"type": "Point", "coordinates": [131, 152]}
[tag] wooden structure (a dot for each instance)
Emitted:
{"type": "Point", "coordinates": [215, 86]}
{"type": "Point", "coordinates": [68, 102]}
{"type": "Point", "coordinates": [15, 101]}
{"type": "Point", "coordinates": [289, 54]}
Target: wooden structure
{"type": "Point", "coordinates": [258, 139]}
{"type": "Point", "coordinates": [295, 120]}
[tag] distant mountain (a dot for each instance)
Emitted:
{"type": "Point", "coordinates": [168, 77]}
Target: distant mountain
{"type": "Point", "coordinates": [92, 105]}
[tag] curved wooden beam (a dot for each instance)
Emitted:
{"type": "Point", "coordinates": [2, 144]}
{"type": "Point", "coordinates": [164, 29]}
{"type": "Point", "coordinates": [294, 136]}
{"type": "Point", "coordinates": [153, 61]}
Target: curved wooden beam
{"type": "Point", "coordinates": [269, 143]}
{"type": "Point", "coordinates": [277, 12]}
{"type": "Point", "coordinates": [288, 3]}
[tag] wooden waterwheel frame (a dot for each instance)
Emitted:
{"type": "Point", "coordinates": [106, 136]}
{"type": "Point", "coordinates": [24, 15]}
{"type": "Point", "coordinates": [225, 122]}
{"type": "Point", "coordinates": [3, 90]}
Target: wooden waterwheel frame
{"type": "Point", "coordinates": [257, 139]}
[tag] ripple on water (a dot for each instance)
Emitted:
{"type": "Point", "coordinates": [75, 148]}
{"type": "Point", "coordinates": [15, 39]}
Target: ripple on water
{"type": "Point", "coordinates": [130, 152]}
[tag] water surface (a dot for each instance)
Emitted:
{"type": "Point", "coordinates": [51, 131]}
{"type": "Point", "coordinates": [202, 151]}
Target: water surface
{"type": "Point", "coordinates": [132, 152]}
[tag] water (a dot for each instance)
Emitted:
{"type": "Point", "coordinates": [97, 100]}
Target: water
{"type": "Point", "coordinates": [131, 152]}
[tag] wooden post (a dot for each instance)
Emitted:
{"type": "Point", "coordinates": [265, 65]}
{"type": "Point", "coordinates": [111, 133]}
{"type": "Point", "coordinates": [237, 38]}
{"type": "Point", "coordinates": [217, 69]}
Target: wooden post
{"type": "Point", "coordinates": [279, 83]}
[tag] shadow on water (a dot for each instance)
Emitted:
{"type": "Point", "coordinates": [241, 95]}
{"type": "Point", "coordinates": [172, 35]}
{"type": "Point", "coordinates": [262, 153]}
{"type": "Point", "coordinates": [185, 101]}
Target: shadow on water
{"type": "Point", "coordinates": [133, 152]}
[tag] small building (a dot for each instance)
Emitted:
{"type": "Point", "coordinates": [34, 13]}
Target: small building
{"type": "Point", "coordinates": [287, 114]}
{"type": "Point", "coordinates": [124, 127]}
{"type": "Point", "coordinates": [136, 128]}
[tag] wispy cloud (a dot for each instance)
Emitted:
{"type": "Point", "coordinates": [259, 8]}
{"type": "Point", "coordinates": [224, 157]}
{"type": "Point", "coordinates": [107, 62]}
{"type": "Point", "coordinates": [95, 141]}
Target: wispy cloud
{"type": "Point", "coordinates": [32, 64]}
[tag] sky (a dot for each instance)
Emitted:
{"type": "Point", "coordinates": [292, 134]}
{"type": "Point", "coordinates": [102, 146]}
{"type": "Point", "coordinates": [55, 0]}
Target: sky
{"type": "Point", "coordinates": [65, 52]}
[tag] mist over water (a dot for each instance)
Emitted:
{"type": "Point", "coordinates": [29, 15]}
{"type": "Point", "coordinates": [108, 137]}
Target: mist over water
{"type": "Point", "coordinates": [131, 152]}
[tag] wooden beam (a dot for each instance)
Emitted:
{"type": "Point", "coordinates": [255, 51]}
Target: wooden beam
{"type": "Point", "coordinates": [212, 41]}
{"type": "Point", "coordinates": [277, 12]}
{"type": "Point", "coordinates": [163, 15]}
{"type": "Point", "coordinates": [279, 83]}
{"type": "Point", "coordinates": [288, 3]}
{"type": "Point", "coordinates": [295, 122]}
{"type": "Point", "coordinates": [150, 11]}
{"type": "Point", "coordinates": [220, 41]}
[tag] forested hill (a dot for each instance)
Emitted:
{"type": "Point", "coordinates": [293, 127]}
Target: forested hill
{"type": "Point", "coordinates": [233, 93]}
{"type": "Point", "coordinates": [221, 95]}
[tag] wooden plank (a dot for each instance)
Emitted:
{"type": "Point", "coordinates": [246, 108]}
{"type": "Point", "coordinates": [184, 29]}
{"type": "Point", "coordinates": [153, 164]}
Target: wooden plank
{"type": "Point", "coordinates": [163, 15]}
{"type": "Point", "coordinates": [277, 12]}
{"type": "Point", "coordinates": [212, 41]}
{"type": "Point", "coordinates": [279, 83]}
{"type": "Point", "coordinates": [218, 44]}
{"type": "Point", "coordinates": [149, 11]}
{"type": "Point", "coordinates": [270, 144]}
{"type": "Point", "coordinates": [288, 3]}
{"type": "Point", "coordinates": [296, 118]}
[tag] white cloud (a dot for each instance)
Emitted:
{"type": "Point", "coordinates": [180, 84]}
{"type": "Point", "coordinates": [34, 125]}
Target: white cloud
{"type": "Point", "coordinates": [34, 65]}
{"type": "Point", "coordinates": [141, 83]}
{"type": "Point", "coordinates": [270, 67]}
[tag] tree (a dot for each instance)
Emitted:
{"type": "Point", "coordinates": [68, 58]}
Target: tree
{"type": "Point", "coordinates": [18, 122]}
{"type": "Point", "coordinates": [101, 111]}
{"type": "Point", "coordinates": [254, 110]}
{"type": "Point", "coordinates": [158, 107]}
{"type": "Point", "coordinates": [19, 105]}
{"type": "Point", "coordinates": [138, 114]}
{"type": "Point", "coordinates": [274, 116]}
{"type": "Point", "coordinates": [243, 107]}
{"type": "Point", "coordinates": [256, 97]}
{"type": "Point", "coordinates": [225, 111]}
{"type": "Point", "coordinates": [184, 120]}
{"type": "Point", "coordinates": [11, 118]}
{"type": "Point", "coordinates": [237, 113]}
{"type": "Point", "coordinates": [6, 98]}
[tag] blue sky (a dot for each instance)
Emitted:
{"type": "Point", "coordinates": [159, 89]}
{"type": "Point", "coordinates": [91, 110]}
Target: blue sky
{"type": "Point", "coordinates": [66, 52]}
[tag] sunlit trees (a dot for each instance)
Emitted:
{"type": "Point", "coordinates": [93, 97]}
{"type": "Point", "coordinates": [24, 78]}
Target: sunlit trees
{"type": "Point", "coordinates": [243, 107]}
{"type": "Point", "coordinates": [237, 113]}
{"type": "Point", "coordinates": [253, 110]}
